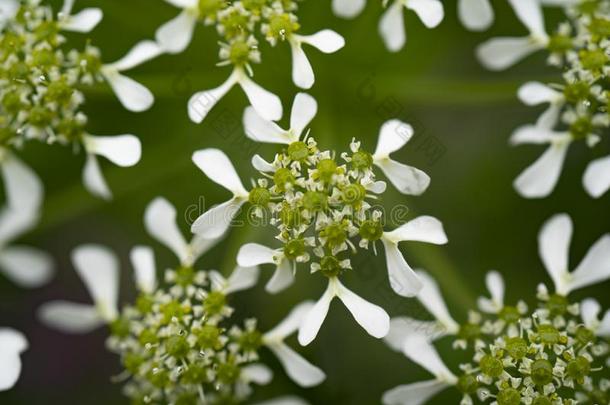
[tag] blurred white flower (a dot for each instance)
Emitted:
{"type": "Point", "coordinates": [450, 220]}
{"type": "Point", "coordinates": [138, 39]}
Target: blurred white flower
{"type": "Point", "coordinates": [476, 15]}
{"type": "Point", "coordinates": [348, 8]}
{"type": "Point", "coordinates": [391, 25]}
{"type": "Point", "coordinates": [589, 311]}
{"type": "Point", "coordinates": [596, 179]}
{"type": "Point", "coordinates": [83, 21]}
{"type": "Point", "coordinates": [12, 344]}
{"type": "Point", "coordinates": [8, 9]}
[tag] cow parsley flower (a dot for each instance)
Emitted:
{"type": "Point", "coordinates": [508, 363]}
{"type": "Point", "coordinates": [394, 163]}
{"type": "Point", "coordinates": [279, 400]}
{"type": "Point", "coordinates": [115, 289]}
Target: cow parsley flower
{"type": "Point", "coordinates": [12, 344]}
{"type": "Point", "coordinates": [556, 353]}
{"type": "Point", "coordinates": [41, 80]}
{"type": "Point", "coordinates": [177, 342]}
{"type": "Point", "coordinates": [322, 209]}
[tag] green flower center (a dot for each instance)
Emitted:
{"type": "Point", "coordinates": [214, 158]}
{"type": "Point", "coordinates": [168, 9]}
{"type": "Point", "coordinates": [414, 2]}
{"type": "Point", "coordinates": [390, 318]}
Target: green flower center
{"type": "Point", "coordinates": [542, 372]}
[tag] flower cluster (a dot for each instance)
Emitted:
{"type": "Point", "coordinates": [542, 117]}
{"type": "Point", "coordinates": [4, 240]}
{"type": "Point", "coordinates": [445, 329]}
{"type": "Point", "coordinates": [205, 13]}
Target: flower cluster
{"type": "Point", "coordinates": [578, 105]}
{"type": "Point", "coordinates": [177, 342]}
{"type": "Point", "coordinates": [556, 353]}
{"type": "Point", "coordinates": [322, 208]}
{"type": "Point", "coordinates": [41, 82]}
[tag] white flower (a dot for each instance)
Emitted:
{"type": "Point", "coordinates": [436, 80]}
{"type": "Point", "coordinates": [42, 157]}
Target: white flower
{"type": "Point", "coordinates": [259, 129]}
{"type": "Point", "coordinates": [24, 190]}
{"type": "Point", "coordinates": [134, 96]}
{"type": "Point", "coordinates": [143, 262]}
{"type": "Point", "coordinates": [596, 179]}
{"type": "Point", "coordinates": [553, 244]}
{"type": "Point", "coordinates": [160, 222]}
{"type": "Point", "coordinates": [476, 15]}
{"type": "Point", "coordinates": [298, 369]}
{"type": "Point", "coordinates": [253, 254]}
{"type": "Point", "coordinates": [495, 286]}
{"type": "Point", "coordinates": [217, 166]}
{"type": "Point", "coordinates": [267, 104]}
{"type": "Point", "coordinates": [589, 311]}
{"type": "Point", "coordinates": [534, 93]}
{"type": "Point", "coordinates": [8, 10]}
{"type": "Point", "coordinates": [348, 8]}
{"type": "Point", "coordinates": [12, 344]}
{"type": "Point", "coordinates": [391, 25]}
{"type": "Point", "coordinates": [84, 21]}
{"type": "Point", "coordinates": [394, 134]}
{"type": "Point", "coordinates": [122, 150]}
{"type": "Point", "coordinates": [419, 350]}
{"type": "Point", "coordinates": [326, 41]}
{"type": "Point", "coordinates": [404, 281]}
{"type": "Point", "coordinates": [371, 317]}
{"type": "Point", "coordinates": [175, 35]}
{"type": "Point", "coordinates": [98, 268]}
{"type": "Point", "coordinates": [539, 179]}
{"type": "Point", "coordinates": [241, 279]}
{"type": "Point", "coordinates": [501, 53]}
{"type": "Point", "coordinates": [288, 400]}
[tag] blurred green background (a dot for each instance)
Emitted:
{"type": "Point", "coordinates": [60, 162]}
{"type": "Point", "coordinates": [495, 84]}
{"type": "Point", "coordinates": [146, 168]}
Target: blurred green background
{"type": "Point", "coordinates": [463, 117]}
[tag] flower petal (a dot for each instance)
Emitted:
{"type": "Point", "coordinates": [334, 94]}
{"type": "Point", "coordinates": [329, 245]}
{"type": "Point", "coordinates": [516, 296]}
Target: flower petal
{"type": "Point", "coordinates": [407, 179]}
{"type": "Point", "coordinates": [312, 322]}
{"type": "Point", "coordinates": [476, 15]}
{"type": "Point", "coordinates": [430, 12]}
{"type": "Point", "coordinates": [201, 103]}
{"type": "Point", "coordinates": [98, 267]}
{"type": "Point", "coordinates": [282, 278]}
{"type": "Point", "coordinates": [143, 262]}
{"type": "Point", "coordinates": [530, 14]}
{"type": "Point", "coordinates": [402, 327]}
{"type": "Point", "coordinates": [241, 279]}
{"type": "Point", "coordinates": [422, 229]}
{"type": "Point", "coordinates": [604, 326]}
{"type": "Point", "coordinates": [70, 317]}
{"type": "Point", "coordinates": [8, 10]}
{"type": "Point", "coordinates": [253, 254]}
{"type": "Point", "coordinates": [394, 134]}
{"type": "Point", "coordinates": [132, 95]}
{"type": "Point", "coordinates": [304, 109]}
{"type": "Point", "coordinates": [289, 324]}
{"type": "Point", "coordinates": [257, 373]}
{"type": "Point", "coordinates": [597, 177]}
{"type": "Point", "coordinates": [392, 28]}
{"type": "Point", "coordinates": [589, 312]}
{"type": "Point", "coordinates": [348, 8]}
{"type": "Point", "coordinates": [403, 279]}
{"type": "Point", "coordinates": [23, 188]}
{"type": "Point", "coordinates": [495, 286]}
{"type": "Point", "coordinates": [420, 350]}
{"type": "Point", "coordinates": [25, 266]}
{"type": "Point", "coordinates": [371, 317]}
{"type": "Point", "coordinates": [215, 222]}
{"type": "Point", "coordinates": [261, 164]}
{"type": "Point", "coordinates": [261, 130]}
{"type": "Point", "coordinates": [432, 299]}
{"type": "Point", "coordinates": [93, 179]}
{"type": "Point", "coordinates": [539, 179]}
{"type": "Point", "coordinates": [84, 21]}
{"type": "Point", "coordinates": [288, 400]}
{"type": "Point", "coordinates": [327, 41]}
{"type": "Point", "coordinates": [532, 134]}
{"type": "Point", "coordinates": [502, 53]}
{"type": "Point", "coordinates": [298, 369]}
{"type": "Point", "coordinates": [199, 246]}
{"type": "Point", "coordinates": [217, 166]}
{"type": "Point", "coordinates": [122, 150]}
{"type": "Point", "coordinates": [534, 93]}
{"type": "Point", "coordinates": [160, 223]}
{"type": "Point", "coordinates": [141, 52]}
{"type": "Point", "coordinates": [13, 341]}
{"type": "Point", "coordinates": [553, 246]}
{"type": "Point", "coordinates": [267, 104]}
{"type": "Point", "coordinates": [595, 267]}
{"type": "Point", "coordinates": [413, 394]}
{"type": "Point", "coordinates": [302, 72]}
{"type": "Point", "coordinates": [176, 34]}
{"type": "Point", "coordinates": [183, 3]}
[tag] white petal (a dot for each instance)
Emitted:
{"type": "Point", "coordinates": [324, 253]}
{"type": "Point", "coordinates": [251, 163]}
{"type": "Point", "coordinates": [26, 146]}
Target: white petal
{"type": "Point", "coordinates": [201, 103]}
{"type": "Point", "coordinates": [253, 254]}
{"type": "Point", "coordinates": [241, 279]}
{"type": "Point", "coordinates": [348, 8]}
{"type": "Point", "coordinates": [12, 340]}
{"type": "Point", "coordinates": [70, 317]}
{"type": "Point", "coordinates": [377, 187]}
{"type": "Point", "coordinates": [402, 327]}
{"type": "Point", "coordinates": [430, 12]}
{"type": "Point", "coordinates": [540, 178]}
{"type": "Point", "coordinates": [141, 52]}
{"type": "Point", "coordinates": [315, 317]}
{"type": "Point", "coordinates": [476, 15]}
{"type": "Point", "coordinates": [261, 164]}
{"type": "Point", "coordinates": [422, 229]}
{"type": "Point", "coordinates": [66, 8]}
{"type": "Point", "coordinates": [289, 324]}
{"type": "Point", "coordinates": [199, 246]}
{"type": "Point", "coordinates": [597, 177]}
{"type": "Point", "coordinates": [502, 53]}
{"type": "Point", "coordinates": [143, 262]}
{"type": "Point", "coordinates": [421, 351]}
{"type": "Point", "coordinates": [391, 27]}
{"type": "Point", "coordinates": [8, 10]}
{"type": "Point", "coordinates": [595, 267]}
{"type": "Point", "coordinates": [122, 150]}
{"type": "Point", "coordinates": [98, 267]}
{"type": "Point", "coordinates": [302, 72]}
{"type": "Point", "coordinates": [432, 299]}
{"type": "Point", "coordinates": [10, 369]}
{"type": "Point", "coordinates": [257, 373]}
{"type": "Point", "coordinates": [532, 134]}
{"type": "Point", "coordinates": [93, 179]}
{"type": "Point", "coordinates": [261, 130]}
{"type": "Point", "coordinates": [15, 222]}
{"type": "Point", "coordinates": [589, 312]}
{"type": "Point", "coordinates": [215, 222]}
{"type": "Point", "coordinates": [84, 21]}
{"type": "Point", "coordinates": [23, 188]}
{"type": "Point", "coordinates": [550, 117]}
{"type": "Point", "coordinates": [495, 286]}
{"type": "Point", "coordinates": [175, 35]}
{"type": "Point", "coordinates": [327, 41]}
{"type": "Point", "coordinates": [217, 166]}
{"type": "Point", "coordinates": [553, 246]}
{"type": "Point", "coordinates": [183, 3]}
{"type": "Point", "coordinates": [282, 278]}
{"type": "Point", "coordinates": [394, 134]}
{"type": "Point", "coordinates": [298, 369]}
{"type": "Point", "coordinates": [533, 93]}
{"type": "Point", "coordinates": [403, 279]}
{"type": "Point", "coordinates": [413, 394]}
{"type": "Point", "coordinates": [134, 96]}
{"type": "Point", "coordinates": [267, 104]}
{"type": "Point", "coordinates": [304, 109]}
{"type": "Point", "coordinates": [371, 317]}
{"type": "Point", "coordinates": [530, 14]}
{"type": "Point", "coordinates": [25, 266]}
{"type": "Point", "coordinates": [407, 179]}
{"type": "Point", "coordinates": [160, 223]}
{"type": "Point", "coordinates": [604, 327]}
{"type": "Point", "coordinates": [284, 401]}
